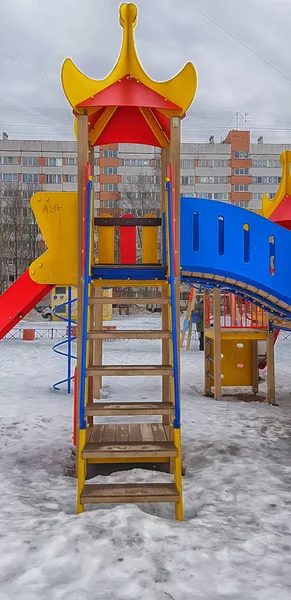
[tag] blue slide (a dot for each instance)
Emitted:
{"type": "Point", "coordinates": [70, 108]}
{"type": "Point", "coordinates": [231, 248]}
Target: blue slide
{"type": "Point", "coordinates": [237, 250]}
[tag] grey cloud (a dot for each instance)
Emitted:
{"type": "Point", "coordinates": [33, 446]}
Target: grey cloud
{"type": "Point", "coordinates": [169, 33]}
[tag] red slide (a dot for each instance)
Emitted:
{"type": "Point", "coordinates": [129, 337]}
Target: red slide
{"type": "Point", "coordinates": [18, 300]}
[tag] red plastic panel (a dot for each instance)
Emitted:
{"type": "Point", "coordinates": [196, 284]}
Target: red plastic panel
{"type": "Point", "coordinates": [127, 126]}
{"type": "Point", "coordinates": [128, 92]}
{"type": "Point", "coordinates": [127, 243]}
{"type": "Point", "coordinates": [18, 300]}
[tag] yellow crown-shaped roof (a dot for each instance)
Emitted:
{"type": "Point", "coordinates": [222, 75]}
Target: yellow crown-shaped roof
{"type": "Point", "coordinates": [180, 90]}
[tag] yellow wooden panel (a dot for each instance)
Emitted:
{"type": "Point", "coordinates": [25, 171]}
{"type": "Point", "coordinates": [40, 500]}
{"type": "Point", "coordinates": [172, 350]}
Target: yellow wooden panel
{"type": "Point", "coordinates": [57, 216]}
{"type": "Point", "coordinates": [149, 242]}
{"type": "Point", "coordinates": [106, 243]}
{"type": "Point", "coordinates": [107, 308]}
{"type": "Point", "coordinates": [236, 362]}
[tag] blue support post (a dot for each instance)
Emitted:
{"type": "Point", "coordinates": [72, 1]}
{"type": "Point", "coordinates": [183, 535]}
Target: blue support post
{"type": "Point", "coordinates": [177, 420]}
{"type": "Point", "coordinates": [86, 282]}
{"type": "Point", "coordinates": [69, 338]}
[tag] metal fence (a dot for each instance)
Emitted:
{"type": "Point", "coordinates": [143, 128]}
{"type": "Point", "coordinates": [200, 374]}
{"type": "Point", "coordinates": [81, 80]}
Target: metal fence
{"type": "Point", "coordinates": [50, 334]}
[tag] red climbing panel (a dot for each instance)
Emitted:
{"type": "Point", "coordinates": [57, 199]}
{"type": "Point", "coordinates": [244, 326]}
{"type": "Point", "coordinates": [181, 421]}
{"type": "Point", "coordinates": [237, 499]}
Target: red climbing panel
{"type": "Point", "coordinates": [127, 243]}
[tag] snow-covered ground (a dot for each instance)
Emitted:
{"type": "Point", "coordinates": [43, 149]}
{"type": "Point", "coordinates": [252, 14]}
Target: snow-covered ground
{"type": "Point", "coordinates": [235, 542]}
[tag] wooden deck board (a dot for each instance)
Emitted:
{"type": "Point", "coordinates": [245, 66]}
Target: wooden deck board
{"type": "Point", "coordinates": [134, 433]}
{"type": "Point", "coordinates": [137, 334]}
{"type": "Point", "coordinates": [159, 433]}
{"type": "Point", "coordinates": [149, 449]}
{"type": "Point", "coordinates": [122, 433]}
{"type": "Point", "coordinates": [129, 370]}
{"type": "Point", "coordinates": [129, 492]}
{"type": "Point", "coordinates": [129, 408]}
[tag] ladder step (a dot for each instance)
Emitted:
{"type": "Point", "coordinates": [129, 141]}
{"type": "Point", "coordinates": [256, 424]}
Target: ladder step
{"type": "Point", "coordinates": [129, 450]}
{"type": "Point", "coordinates": [129, 492]}
{"type": "Point", "coordinates": [128, 408]}
{"type": "Point", "coordinates": [129, 300]}
{"type": "Point", "coordinates": [129, 370]}
{"type": "Point", "coordinates": [138, 334]}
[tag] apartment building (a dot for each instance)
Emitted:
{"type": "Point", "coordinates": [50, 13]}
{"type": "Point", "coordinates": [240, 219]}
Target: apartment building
{"type": "Point", "coordinates": [234, 170]}
{"type": "Point", "coordinates": [127, 179]}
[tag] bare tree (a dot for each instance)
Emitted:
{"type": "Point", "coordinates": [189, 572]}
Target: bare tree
{"type": "Point", "coordinates": [19, 230]}
{"type": "Point", "coordinates": [140, 195]}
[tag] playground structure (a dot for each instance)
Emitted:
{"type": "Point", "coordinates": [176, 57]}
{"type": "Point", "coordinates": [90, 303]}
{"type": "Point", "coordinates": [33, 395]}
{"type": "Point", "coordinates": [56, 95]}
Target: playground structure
{"type": "Point", "coordinates": [241, 339]}
{"type": "Point", "coordinates": [60, 303]}
{"type": "Point", "coordinates": [236, 336]}
{"type": "Point", "coordinates": [221, 247]}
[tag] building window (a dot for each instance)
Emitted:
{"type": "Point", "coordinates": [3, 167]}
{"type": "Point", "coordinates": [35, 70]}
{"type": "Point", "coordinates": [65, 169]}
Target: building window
{"type": "Point", "coordinates": [110, 187]}
{"type": "Point", "coordinates": [187, 163]}
{"type": "Point", "coordinates": [110, 170]}
{"type": "Point", "coordinates": [214, 179]}
{"type": "Point", "coordinates": [71, 178]}
{"type": "Point", "coordinates": [241, 155]}
{"type": "Point", "coordinates": [266, 163]}
{"type": "Point", "coordinates": [53, 178]}
{"type": "Point", "coordinates": [215, 162]}
{"type": "Point", "coordinates": [241, 171]}
{"type": "Point", "coordinates": [258, 196]}
{"type": "Point", "coordinates": [53, 162]}
{"type": "Point", "coordinates": [30, 161]}
{"type": "Point", "coordinates": [70, 161]}
{"type": "Point", "coordinates": [219, 196]}
{"type": "Point", "coordinates": [138, 179]}
{"type": "Point", "coordinates": [61, 290]}
{"type": "Point", "coordinates": [267, 180]}
{"type": "Point", "coordinates": [223, 196]}
{"type": "Point", "coordinates": [241, 188]}
{"type": "Point", "coordinates": [136, 162]}
{"type": "Point", "coordinates": [242, 204]}
{"type": "Point", "coordinates": [8, 176]}
{"type": "Point", "coordinates": [185, 180]}
{"type": "Point", "coordinates": [8, 160]}
{"type": "Point", "coordinates": [110, 153]}
{"type": "Point", "coordinates": [109, 204]}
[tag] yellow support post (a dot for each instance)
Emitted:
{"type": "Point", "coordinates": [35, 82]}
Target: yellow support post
{"type": "Point", "coordinates": [81, 469]}
{"type": "Point", "coordinates": [217, 344]}
{"type": "Point", "coordinates": [179, 512]}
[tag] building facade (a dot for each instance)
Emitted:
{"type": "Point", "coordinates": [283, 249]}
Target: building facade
{"type": "Point", "coordinates": [234, 170]}
{"type": "Point", "coordinates": [127, 179]}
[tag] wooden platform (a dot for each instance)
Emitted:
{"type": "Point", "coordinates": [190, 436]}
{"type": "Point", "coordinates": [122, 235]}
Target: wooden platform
{"type": "Point", "coordinates": [243, 333]}
{"type": "Point", "coordinates": [129, 492]}
{"type": "Point", "coordinates": [145, 432]}
{"type": "Point", "coordinates": [134, 443]}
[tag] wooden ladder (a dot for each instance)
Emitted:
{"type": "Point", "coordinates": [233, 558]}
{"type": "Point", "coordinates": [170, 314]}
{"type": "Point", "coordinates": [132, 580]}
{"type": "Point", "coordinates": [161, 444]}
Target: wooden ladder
{"type": "Point", "coordinates": [137, 442]}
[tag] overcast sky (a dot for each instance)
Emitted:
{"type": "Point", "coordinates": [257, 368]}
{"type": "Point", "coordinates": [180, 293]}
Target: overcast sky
{"type": "Point", "coordinates": [169, 33]}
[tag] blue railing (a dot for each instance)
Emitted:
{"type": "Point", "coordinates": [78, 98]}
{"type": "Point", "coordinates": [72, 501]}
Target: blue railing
{"type": "Point", "coordinates": [225, 240]}
{"type": "Point", "coordinates": [68, 341]}
{"type": "Point", "coordinates": [177, 420]}
{"type": "Point", "coordinates": [86, 281]}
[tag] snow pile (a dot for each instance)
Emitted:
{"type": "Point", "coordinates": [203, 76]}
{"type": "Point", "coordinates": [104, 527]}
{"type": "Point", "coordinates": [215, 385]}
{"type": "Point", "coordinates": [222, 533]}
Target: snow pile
{"type": "Point", "coordinates": [235, 542]}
